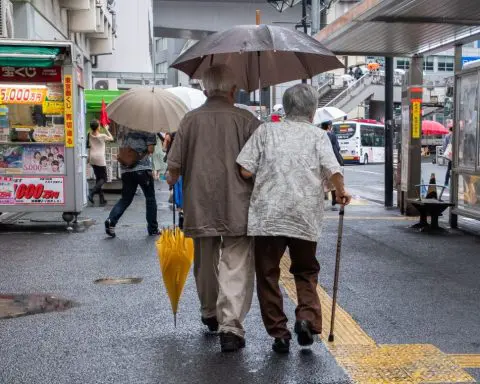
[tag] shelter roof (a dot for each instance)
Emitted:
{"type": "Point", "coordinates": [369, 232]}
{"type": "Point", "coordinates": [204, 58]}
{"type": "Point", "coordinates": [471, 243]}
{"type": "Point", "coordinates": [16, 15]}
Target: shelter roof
{"type": "Point", "coordinates": [403, 27]}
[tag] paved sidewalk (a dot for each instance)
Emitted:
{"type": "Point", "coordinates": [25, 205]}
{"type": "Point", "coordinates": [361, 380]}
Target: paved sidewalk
{"type": "Point", "coordinates": [410, 301]}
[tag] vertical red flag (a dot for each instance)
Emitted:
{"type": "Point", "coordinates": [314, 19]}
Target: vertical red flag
{"type": "Point", "coordinates": [104, 120]}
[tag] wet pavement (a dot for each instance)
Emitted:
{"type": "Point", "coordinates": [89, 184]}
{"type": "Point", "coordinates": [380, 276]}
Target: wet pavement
{"type": "Point", "coordinates": [399, 287]}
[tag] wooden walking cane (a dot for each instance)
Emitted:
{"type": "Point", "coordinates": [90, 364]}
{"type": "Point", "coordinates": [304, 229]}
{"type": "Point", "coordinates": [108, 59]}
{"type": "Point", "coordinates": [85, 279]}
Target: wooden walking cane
{"type": "Point", "coordinates": [341, 214]}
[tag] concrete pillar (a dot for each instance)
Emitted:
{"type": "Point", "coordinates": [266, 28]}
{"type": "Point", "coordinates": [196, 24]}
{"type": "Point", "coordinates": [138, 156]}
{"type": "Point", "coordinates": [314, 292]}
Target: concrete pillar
{"type": "Point", "coordinates": [315, 17]}
{"type": "Point", "coordinates": [454, 179]}
{"type": "Point", "coordinates": [411, 161]}
{"type": "Point", "coordinates": [388, 132]}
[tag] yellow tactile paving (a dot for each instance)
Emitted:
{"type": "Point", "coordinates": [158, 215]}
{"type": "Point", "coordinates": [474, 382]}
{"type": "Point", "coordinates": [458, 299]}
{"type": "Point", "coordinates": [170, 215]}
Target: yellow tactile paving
{"type": "Point", "coordinates": [368, 363]}
{"type": "Point", "coordinates": [467, 361]}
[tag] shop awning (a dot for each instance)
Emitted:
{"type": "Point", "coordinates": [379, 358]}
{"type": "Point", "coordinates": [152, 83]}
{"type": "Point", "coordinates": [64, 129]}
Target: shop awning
{"type": "Point", "coordinates": [28, 56]}
{"type": "Point", "coordinates": [94, 97]}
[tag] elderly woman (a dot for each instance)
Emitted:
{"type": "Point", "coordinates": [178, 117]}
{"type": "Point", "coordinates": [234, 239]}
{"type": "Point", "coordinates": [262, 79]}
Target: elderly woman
{"type": "Point", "coordinates": [290, 161]}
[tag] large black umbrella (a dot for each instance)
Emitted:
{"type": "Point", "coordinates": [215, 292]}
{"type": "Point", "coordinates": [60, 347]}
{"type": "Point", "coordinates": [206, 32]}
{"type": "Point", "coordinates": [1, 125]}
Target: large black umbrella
{"type": "Point", "coordinates": [260, 55]}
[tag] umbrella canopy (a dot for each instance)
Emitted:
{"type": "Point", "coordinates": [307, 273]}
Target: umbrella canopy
{"type": "Point", "coordinates": [175, 254]}
{"type": "Point", "coordinates": [193, 98]}
{"type": "Point", "coordinates": [327, 114]}
{"type": "Point", "coordinates": [259, 55]}
{"type": "Point", "coordinates": [148, 109]}
{"type": "Point", "coordinates": [431, 128]}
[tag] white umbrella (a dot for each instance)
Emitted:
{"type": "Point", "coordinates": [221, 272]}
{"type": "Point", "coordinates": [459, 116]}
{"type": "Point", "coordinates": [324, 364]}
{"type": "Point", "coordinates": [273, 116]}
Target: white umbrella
{"type": "Point", "coordinates": [246, 107]}
{"type": "Point", "coordinates": [193, 98]}
{"type": "Point", "coordinates": [327, 114]}
{"type": "Point", "coordinates": [148, 109]}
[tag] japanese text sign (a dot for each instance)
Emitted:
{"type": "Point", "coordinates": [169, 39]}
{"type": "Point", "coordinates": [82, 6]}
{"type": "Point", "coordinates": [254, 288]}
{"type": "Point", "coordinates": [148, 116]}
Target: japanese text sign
{"type": "Point", "coordinates": [68, 107]}
{"type": "Point", "coordinates": [30, 75]}
{"type": "Point", "coordinates": [32, 191]}
{"type": "Point", "coordinates": [12, 95]}
{"type": "Point", "coordinates": [416, 119]}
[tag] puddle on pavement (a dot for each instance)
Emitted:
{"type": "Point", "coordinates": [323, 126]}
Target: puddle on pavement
{"type": "Point", "coordinates": [119, 281]}
{"type": "Point", "coordinates": [17, 305]}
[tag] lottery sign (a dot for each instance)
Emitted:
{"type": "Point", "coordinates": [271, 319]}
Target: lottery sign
{"type": "Point", "coordinates": [10, 95]}
{"type": "Point", "coordinates": [68, 105]}
{"type": "Point", "coordinates": [38, 190]}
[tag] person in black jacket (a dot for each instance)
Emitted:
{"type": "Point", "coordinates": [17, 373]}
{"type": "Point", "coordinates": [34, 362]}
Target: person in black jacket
{"type": "Point", "coordinates": [327, 126]}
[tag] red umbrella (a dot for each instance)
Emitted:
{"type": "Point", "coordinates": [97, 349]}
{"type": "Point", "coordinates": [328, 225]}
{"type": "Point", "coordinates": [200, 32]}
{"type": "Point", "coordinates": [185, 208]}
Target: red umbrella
{"type": "Point", "coordinates": [432, 128]}
{"type": "Point", "coordinates": [104, 120]}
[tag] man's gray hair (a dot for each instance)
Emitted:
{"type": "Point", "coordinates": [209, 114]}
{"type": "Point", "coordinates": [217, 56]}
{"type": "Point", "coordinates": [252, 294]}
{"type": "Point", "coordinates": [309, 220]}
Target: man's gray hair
{"type": "Point", "coordinates": [301, 100]}
{"type": "Point", "coordinates": [218, 79]}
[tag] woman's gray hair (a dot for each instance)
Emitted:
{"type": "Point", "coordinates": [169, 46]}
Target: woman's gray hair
{"type": "Point", "coordinates": [218, 79]}
{"type": "Point", "coordinates": [301, 100]}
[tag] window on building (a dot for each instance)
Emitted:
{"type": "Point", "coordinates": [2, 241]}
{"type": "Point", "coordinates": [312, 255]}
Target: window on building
{"type": "Point", "coordinates": [161, 44]}
{"type": "Point", "coordinates": [428, 64]}
{"type": "Point", "coordinates": [403, 63]}
{"type": "Point", "coordinates": [161, 67]}
{"type": "Point", "coordinates": [445, 64]}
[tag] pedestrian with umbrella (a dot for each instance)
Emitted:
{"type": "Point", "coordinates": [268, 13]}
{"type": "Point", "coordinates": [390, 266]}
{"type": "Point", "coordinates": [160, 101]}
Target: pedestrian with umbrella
{"type": "Point", "coordinates": [140, 114]}
{"type": "Point", "coordinates": [290, 161]}
{"type": "Point", "coordinates": [215, 205]}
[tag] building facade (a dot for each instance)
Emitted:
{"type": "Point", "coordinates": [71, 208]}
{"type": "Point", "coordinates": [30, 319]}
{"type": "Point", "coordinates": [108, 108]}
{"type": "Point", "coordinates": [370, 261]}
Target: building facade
{"type": "Point", "coordinates": [89, 24]}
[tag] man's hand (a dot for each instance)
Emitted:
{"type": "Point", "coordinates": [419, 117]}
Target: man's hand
{"type": "Point", "coordinates": [344, 198]}
{"type": "Point", "coordinates": [172, 176]}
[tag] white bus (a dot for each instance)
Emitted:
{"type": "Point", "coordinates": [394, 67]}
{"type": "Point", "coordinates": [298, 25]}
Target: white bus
{"type": "Point", "coordinates": [361, 141]}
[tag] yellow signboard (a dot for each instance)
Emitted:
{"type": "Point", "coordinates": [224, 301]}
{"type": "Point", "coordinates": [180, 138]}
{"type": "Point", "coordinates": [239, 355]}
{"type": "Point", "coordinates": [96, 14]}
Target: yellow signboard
{"type": "Point", "coordinates": [53, 108]}
{"type": "Point", "coordinates": [68, 101]}
{"type": "Point", "coordinates": [11, 95]}
{"type": "Point", "coordinates": [416, 120]}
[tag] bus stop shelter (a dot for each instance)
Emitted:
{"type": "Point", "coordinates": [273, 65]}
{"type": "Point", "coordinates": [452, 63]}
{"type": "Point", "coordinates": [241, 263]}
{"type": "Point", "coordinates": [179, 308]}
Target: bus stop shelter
{"type": "Point", "coordinates": [414, 28]}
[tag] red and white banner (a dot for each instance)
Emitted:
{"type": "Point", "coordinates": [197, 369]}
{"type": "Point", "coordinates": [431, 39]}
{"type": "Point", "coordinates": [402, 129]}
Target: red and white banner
{"type": "Point", "coordinates": [32, 190]}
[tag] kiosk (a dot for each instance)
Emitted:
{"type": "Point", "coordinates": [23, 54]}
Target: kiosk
{"type": "Point", "coordinates": [42, 128]}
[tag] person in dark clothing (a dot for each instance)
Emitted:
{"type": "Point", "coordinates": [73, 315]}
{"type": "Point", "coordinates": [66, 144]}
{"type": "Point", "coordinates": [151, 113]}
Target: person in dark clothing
{"type": "Point", "coordinates": [358, 72]}
{"type": "Point", "coordinates": [327, 126]}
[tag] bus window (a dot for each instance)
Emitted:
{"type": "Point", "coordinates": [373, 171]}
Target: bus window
{"type": "Point", "coordinates": [367, 135]}
{"type": "Point", "coordinates": [344, 131]}
{"type": "Point", "coordinates": [379, 138]}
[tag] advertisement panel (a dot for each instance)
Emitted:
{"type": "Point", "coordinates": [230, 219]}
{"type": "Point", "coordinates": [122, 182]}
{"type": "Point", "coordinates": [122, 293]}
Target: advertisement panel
{"type": "Point", "coordinates": [43, 159]}
{"type": "Point", "coordinates": [31, 190]}
{"type": "Point", "coordinates": [32, 159]}
{"type": "Point", "coordinates": [15, 95]}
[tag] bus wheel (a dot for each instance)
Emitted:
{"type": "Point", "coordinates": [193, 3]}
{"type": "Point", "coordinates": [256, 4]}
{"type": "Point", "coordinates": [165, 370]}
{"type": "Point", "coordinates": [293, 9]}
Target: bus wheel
{"type": "Point", "coordinates": [365, 160]}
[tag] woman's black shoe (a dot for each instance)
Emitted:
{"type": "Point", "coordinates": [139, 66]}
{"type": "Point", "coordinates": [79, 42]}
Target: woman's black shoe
{"type": "Point", "coordinates": [303, 329]}
{"type": "Point", "coordinates": [281, 345]}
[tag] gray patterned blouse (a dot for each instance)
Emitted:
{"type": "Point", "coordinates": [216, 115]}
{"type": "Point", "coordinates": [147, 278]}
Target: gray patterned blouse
{"type": "Point", "coordinates": [290, 161]}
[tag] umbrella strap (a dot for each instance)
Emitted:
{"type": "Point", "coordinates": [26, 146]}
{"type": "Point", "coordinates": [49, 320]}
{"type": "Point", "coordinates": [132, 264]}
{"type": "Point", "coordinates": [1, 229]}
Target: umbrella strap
{"type": "Point", "coordinates": [174, 207]}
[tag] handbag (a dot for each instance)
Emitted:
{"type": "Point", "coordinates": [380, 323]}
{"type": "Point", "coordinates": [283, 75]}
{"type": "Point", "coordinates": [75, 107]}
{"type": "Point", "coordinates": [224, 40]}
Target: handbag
{"type": "Point", "coordinates": [448, 154]}
{"type": "Point", "coordinates": [128, 157]}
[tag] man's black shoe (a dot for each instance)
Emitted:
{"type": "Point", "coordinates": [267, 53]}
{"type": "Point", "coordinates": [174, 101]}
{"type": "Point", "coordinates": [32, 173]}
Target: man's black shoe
{"type": "Point", "coordinates": [109, 228]}
{"type": "Point", "coordinates": [230, 342]}
{"type": "Point", "coordinates": [90, 198]}
{"type": "Point", "coordinates": [281, 345]}
{"type": "Point", "coordinates": [211, 323]}
{"type": "Point", "coordinates": [303, 329]}
{"type": "Point", "coordinates": [155, 232]}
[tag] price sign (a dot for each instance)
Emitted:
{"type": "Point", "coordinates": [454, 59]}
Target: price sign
{"type": "Point", "coordinates": [68, 110]}
{"type": "Point", "coordinates": [53, 108]}
{"type": "Point", "coordinates": [9, 95]}
{"type": "Point", "coordinates": [38, 190]}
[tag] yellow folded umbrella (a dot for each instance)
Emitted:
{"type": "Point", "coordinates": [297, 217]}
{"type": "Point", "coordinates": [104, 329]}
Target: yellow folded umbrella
{"type": "Point", "coordinates": [175, 253]}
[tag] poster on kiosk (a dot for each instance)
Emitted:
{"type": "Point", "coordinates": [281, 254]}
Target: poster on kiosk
{"type": "Point", "coordinates": [42, 151]}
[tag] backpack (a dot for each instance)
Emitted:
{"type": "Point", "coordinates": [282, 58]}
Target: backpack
{"type": "Point", "coordinates": [128, 157]}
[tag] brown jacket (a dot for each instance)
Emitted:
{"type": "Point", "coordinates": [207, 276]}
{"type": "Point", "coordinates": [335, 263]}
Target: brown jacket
{"type": "Point", "coordinates": [215, 197]}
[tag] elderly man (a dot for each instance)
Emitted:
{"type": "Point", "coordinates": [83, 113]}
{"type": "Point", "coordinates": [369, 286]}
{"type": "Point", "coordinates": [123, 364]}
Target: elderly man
{"type": "Point", "coordinates": [290, 161]}
{"type": "Point", "coordinates": [216, 200]}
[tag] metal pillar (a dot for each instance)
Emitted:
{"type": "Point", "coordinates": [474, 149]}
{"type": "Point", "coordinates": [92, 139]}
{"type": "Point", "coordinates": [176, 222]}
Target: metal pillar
{"type": "Point", "coordinates": [304, 24]}
{"type": "Point", "coordinates": [411, 161]}
{"type": "Point", "coordinates": [454, 179]}
{"type": "Point", "coordinates": [315, 16]}
{"type": "Point", "coordinates": [388, 132]}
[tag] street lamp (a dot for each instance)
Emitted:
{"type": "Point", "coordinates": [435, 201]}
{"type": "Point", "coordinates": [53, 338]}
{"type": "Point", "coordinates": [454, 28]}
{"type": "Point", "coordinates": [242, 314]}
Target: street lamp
{"type": "Point", "coordinates": [281, 5]}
